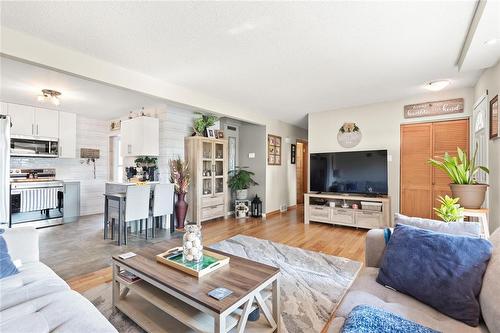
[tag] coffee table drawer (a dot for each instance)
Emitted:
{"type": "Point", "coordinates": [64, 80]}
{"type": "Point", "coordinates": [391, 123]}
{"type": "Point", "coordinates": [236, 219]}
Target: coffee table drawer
{"type": "Point", "coordinates": [212, 201]}
{"type": "Point", "coordinates": [212, 212]}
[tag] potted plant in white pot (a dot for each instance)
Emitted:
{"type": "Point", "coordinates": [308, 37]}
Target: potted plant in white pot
{"type": "Point", "coordinates": [240, 181]}
{"type": "Point", "coordinates": [462, 172]}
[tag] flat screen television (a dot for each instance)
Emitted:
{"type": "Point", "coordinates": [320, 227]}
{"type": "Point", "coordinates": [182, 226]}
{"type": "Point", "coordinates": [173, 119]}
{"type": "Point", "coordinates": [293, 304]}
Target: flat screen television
{"type": "Point", "coordinates": [360, 172]}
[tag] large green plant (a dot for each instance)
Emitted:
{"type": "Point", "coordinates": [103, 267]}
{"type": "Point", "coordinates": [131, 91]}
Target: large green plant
{"type": "Point", "coordinates": [459, 168]}
{"type": "Point", "coordinates": [201, 124]}
{"type": "Point", "coordinates": [241, 179]}
{"type": "Point", "coordinates": [450, 210]}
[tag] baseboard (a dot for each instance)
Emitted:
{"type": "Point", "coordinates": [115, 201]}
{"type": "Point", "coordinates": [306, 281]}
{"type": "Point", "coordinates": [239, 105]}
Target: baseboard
{"type": "Point", "coordinates": [273, 213]}
{"type": "Point", "coordinates": [292, 207]}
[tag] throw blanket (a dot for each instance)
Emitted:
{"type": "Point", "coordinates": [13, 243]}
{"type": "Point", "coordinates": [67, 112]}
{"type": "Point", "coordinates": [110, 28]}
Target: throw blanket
{"type": "Point", "coordinates": [38, 199]}
{"type": "Point", "coordinates": [367, 319]}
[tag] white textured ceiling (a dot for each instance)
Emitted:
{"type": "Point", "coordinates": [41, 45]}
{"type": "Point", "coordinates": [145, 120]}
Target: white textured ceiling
{"type": "Point", "coordinates": [285, 59]}
{"type": "Point", "coordinates": [21, 83]}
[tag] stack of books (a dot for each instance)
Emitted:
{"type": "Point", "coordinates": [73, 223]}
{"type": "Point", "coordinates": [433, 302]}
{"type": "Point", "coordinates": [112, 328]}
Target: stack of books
{"type": "Point", "coordinates": [128, 276]}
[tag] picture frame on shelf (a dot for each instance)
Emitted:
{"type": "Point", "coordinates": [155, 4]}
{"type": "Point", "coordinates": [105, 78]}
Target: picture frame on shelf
{"type": "Point", "coordinates": [219, 134]}
{"type": "Point", "coordinates": [273, 150]}
{"type": "Point", "coordinates": [211, 133]}
{"type": "Point", "coordinates": [494, 118]}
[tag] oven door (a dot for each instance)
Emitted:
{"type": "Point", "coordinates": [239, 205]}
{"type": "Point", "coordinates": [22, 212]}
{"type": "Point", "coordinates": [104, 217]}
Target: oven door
{"type": "Point", "coordinates": [33, 148]}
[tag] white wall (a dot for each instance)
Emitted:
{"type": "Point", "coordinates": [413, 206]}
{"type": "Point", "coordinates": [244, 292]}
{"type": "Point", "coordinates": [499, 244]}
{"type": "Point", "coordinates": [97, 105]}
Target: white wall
{"type": "Point", "coordinates": [380, 126]}
{"type": "Point", "coordinates": [90, 133]}
{"type": "Point", "coordinates": [490, 80]}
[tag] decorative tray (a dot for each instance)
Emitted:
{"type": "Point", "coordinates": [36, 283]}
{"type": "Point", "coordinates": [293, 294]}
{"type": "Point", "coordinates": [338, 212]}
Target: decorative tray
{"type": "Point", "coordinates": [211, 261]}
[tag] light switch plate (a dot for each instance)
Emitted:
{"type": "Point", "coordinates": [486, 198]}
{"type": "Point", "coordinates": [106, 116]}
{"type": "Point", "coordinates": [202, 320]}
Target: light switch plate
{"type": "Point", "coordinates": [251, 155]}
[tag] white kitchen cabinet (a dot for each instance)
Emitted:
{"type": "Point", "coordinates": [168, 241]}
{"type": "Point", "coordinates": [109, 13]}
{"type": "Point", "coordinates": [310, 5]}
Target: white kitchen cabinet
{"type": "Point", "coordinates": [23, 119]}
{"type": "Point", "coordinates": [67, 135]}
{"type": "Point", "coordinates": [4, 108]}
{"type": "Point", "coordinates": [140, 137]}
{"type": "Point", "coordinates": [46, 123]}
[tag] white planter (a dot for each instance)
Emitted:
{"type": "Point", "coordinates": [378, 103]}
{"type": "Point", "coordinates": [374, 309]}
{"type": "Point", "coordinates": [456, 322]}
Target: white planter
{"type": "Point", "coordinates": [241, 194]}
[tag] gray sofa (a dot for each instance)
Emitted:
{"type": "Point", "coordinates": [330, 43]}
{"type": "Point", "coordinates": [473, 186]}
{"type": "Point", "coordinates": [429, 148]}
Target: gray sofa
{"type": "Point", "coordinates": [365, 290]}
{"type": "Point", "coordinates": [37, 300]}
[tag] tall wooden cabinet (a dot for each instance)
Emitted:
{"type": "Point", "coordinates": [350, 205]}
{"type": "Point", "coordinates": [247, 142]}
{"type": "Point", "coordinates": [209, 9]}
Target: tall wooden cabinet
{"type": "Point", "coordinates": [208, 162]}
{"type": "Point", "coordinates": [421, 184]}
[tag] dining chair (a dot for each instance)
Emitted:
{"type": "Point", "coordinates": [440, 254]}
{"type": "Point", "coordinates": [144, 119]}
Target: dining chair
{"type": "Point", "coordinates": [136, 206]}
{"type": "Point", "coordinates": [163, 204]}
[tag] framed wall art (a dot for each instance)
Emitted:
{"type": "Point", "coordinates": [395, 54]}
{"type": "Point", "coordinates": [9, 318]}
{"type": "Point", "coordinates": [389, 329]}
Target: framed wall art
{"type": "Point", "coordinates": [273, 149]}
{"type": "Point", "coordinates": [494, 118]}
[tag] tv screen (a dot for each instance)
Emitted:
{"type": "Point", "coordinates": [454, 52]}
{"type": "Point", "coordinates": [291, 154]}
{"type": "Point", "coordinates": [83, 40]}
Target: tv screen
{"type": "Point", "coordinates": [362, 172]}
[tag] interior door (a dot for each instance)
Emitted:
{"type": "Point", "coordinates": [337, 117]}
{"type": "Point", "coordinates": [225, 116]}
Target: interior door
{"type": "Point", "coordinates": [416, 173]}
{"type": "Point", "coordinates": [480, 137]}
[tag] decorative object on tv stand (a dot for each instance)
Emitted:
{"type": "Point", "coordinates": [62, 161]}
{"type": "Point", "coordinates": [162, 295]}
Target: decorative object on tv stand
{"type": "Point", "coordinates": [462, 173]}
{"type": "Point", "coordinates": [293, 153]}
{"type": "Point", "coordinates": [180, 177]}
{"type": "Point", "coordinates": [450, 210]}
{"type": "Point", "coordinates": [241, 210]}
{"type": "Point", "coordinates": [91, 155]}
{"type": "Point", "coordinates": [192, 248]}
{"type": "Point", "coordinates": [148, 166]}
{"type": "Point", "coordinates": [273, 149]}
{"type": "Point", "coordinates": [256, 207]}
{"type": "Point", "coordinates": [201, 124]}
{"type": "Point", "coordinates": [494, 118]}
{"type": "Point", "coordinates": [240, 181]}
{"type": "Point", "coordinates": [349, 135]}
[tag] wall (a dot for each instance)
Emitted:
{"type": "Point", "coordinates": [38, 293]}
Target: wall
{"type": "Point", "coordinates": [380, 126]}
{"type": "Point", "coordinates": [490, 80]}
{"type": "Point", "coordinates": [281, 179]}
{"type": "Point", "coordinates": [252, 139]}
{"type": "Point", "coordinates": [90, 133]}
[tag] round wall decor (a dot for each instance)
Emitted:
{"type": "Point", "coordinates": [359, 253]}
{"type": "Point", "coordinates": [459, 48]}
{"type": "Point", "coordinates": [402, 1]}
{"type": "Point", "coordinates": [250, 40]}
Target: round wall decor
{"type": "Point", "coordinates": [349, 135]}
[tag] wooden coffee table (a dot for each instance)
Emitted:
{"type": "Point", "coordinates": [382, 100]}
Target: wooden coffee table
{"type": "Point", "coordinates": [168, 300]}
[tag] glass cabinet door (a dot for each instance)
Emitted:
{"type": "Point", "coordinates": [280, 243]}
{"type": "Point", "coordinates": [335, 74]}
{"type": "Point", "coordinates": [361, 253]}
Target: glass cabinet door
{"type": "Point", "coordinates": [219, 151]}
{"type": "Point", "coordinates": [207, 150]}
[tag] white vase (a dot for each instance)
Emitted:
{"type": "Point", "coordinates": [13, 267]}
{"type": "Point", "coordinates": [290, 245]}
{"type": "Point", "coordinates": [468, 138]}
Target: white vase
{"type": "Point", "coordinates": [242, 194]}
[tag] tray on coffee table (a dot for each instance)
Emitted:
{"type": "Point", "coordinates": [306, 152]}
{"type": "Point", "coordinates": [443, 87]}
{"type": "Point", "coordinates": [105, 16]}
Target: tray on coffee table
{"type": "Point", "coordinates": [211, 261]}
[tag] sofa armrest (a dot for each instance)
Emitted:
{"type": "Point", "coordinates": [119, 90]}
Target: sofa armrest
{"type": "Point", "coordinates": [22, 243]}
{"type": "Point", "coordinates": [375, 246]}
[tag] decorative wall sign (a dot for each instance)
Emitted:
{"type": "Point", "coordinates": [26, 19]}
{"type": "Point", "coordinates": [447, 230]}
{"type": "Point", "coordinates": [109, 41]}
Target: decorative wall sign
{"type": "Point", "coordinates": [349, 135]}
{"type": "Point", "coordinates": [293, 153]}
{"type": "Point", "coordinates": [273, 150]}
{"type": "Point", "coordinates": [437, 108]}
{"type": "Point", "coordinates": [494, 118]}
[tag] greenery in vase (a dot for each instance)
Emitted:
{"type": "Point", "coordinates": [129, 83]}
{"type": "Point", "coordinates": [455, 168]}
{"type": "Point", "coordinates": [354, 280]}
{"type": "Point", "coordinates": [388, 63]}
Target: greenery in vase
{"type": "Point", "coordinates": [179, 175]}
{"type": "Point", "coordinates": [201, 124]}
{"type": "Point", "coordinates": [450, 210]}
{"type": "Point", "coordinates": [460, 169]}
{"type": "Point", "coordinates": [145, 161]}
{"type": "Point", "coordinates": [241, 179]}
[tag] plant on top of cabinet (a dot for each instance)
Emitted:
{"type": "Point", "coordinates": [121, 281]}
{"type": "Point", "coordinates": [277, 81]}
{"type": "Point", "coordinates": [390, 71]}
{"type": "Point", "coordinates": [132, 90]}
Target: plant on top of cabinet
{"type": "Point", "coordinates": [181, 178]}
{"type": "Point", "coordinates": [240, 181]}
{"type": "Point", "coordinates": [200, 124]}
{"type": "Point", "coordinates": [462, 172]}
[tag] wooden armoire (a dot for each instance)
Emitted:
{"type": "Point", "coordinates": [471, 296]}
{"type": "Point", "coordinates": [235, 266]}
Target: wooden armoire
{"type": "Point", "coordinates": [208, 193]}
{"type": "Point", "coordinates": [420, 183]}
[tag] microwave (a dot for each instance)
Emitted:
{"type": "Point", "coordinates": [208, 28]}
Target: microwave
{"type": "Point", "coordinates": [24, 147]}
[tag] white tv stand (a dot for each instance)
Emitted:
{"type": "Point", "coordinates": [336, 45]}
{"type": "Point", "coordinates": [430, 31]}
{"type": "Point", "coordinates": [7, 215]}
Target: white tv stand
{"type": "Point", "coordinates": [317, 209]}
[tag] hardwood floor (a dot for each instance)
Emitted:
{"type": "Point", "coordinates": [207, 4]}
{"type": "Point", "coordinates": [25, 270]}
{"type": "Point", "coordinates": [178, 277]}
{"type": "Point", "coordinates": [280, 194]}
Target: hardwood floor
{"type": "Point", "coordinates": [286, 228]}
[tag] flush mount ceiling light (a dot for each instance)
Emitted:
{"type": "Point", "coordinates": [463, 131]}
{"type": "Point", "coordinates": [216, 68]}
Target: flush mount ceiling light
{"type": "Point", "coordinates": [50, 96]}
{"type": "Point", "coordinates": [492, 41]}
{"type": "Point", "coordinates": [437, 85]}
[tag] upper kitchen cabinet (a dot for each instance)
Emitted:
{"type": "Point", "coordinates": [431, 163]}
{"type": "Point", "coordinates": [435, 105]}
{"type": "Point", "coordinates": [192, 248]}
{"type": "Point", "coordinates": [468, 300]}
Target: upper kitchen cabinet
{"type": "Point", "coordinates": [140, 137]}
{"type": "Point", "coordinates": [22, 118]}
{"type": "Point", "coordinates": [67, 135]}
{"type": "Point", "coordinates": [46, 123]}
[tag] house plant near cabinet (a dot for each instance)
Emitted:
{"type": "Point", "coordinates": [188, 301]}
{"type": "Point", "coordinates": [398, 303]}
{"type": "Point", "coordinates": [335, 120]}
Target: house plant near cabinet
{"type": "Point", "coordinates": [201, 124]}
{"type": "Point", "coordinates": [240, 181]}
{"type": "Point", "coordinates": [180, 177]}
{"type": "Point", "coordinates": [462, 172]}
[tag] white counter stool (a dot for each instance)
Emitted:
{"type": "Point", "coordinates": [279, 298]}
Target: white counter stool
{"type": "Point", "coordinates": [136, 206]}
{"type": "Point", "coordinates": [163, 204]}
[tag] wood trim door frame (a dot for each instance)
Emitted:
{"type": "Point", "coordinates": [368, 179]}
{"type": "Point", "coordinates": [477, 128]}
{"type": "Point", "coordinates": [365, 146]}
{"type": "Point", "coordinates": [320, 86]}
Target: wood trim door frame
{"type": "Point", "coordinates": [305, 169]}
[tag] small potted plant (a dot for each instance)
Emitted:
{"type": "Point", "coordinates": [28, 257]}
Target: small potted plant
{"type": "Point", "coordinates": [180, 177]}
{"type": "Point", "coordinates": [462, 172]}
{"type": "Point", "coordinates": [201, 124]}
{"type": "Point", "coordinates": [240, 181]}
{"type": "Point", "coordinates": [450, 210]}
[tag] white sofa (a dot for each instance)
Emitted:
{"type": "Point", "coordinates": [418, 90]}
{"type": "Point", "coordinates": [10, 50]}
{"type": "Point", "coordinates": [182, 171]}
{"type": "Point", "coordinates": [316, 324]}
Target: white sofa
{"type": "Point", "coordinates": [36, 300]}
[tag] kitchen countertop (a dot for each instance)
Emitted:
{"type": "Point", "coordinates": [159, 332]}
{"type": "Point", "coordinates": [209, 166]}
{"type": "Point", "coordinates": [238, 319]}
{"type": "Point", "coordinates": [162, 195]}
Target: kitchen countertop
{"type": "Point", "coordinates": [130, 183]}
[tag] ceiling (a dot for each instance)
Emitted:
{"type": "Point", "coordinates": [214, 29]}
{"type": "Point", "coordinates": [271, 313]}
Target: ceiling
{"type": "Point", "coordinates": [284, 59]}
{"type": "Point", "coordinates": [22, 83]}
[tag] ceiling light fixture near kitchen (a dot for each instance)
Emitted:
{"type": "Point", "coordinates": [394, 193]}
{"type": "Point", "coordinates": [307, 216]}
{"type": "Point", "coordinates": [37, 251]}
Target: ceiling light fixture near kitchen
{"type": "Point", "coordinates": [437, 85]}
{"type": "Point", "coordinates": [50, 95]}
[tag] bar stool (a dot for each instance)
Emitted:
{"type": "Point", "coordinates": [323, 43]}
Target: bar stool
{"type": "Point", "coordinates": [163, 204]}
{"type": "Point", "coordinates": [136, 206]}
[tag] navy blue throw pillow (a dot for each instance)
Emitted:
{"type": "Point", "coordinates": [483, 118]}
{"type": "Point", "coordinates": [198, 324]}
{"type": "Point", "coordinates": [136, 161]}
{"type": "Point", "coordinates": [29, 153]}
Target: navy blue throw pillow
{"type": "Point", "coordinates": [441, 270]}
{"type": "Point", "coordinates": [7, 267]}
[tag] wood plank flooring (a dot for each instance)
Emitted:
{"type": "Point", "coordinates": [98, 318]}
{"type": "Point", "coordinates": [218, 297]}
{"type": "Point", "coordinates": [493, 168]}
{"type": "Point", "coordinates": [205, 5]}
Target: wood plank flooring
{"type": "Point", "coordinates": [287, 228]}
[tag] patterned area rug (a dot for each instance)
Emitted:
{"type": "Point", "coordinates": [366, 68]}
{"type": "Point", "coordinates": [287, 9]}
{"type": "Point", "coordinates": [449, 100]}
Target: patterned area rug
{"type": "Point", "coordinates": [312, 284]}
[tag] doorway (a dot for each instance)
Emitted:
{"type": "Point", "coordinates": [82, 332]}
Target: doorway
{"type": "Point", "coordinates": [301, 160]}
